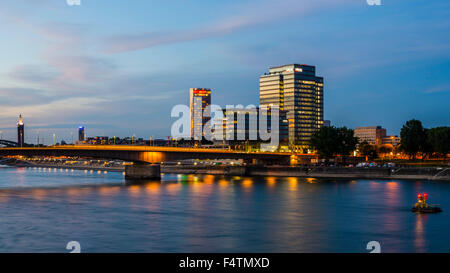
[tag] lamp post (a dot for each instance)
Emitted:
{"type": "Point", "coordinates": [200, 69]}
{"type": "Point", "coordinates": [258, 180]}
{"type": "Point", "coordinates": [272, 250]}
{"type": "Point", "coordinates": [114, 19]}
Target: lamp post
{"type": "Point", "coordinates": [54, 137]}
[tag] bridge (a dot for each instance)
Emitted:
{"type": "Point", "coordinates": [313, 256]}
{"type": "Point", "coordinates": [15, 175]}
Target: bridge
{"type": "Point", "coordinates": [8, 143]}
{"type": "Point", "coordinates": [146, 158]}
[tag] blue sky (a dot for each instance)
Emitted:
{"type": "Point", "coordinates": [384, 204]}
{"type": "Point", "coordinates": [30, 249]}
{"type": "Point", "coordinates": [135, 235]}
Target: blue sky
{"type": "Point", "coordinates": [118, 67]}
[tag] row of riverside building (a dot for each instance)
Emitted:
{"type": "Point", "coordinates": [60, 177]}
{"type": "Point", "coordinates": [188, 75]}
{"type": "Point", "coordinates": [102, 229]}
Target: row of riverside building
{"type": "Point", "coordinates": [298, 92]}
{"type": "Point", "coordinates": [294, 88]}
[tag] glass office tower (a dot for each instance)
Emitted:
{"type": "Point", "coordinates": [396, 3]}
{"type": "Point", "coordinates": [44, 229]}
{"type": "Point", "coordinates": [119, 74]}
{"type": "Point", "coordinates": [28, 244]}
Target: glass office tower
{"type": "Point", "coordinates": [298, 91]}
{"type": "Point", "coordinates": [81, 133]}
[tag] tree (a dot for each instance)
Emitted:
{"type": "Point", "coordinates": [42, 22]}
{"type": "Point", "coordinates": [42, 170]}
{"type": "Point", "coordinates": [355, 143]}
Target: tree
{"type": "Point", "coordinates": [368, 150]}
{"type": "Point", "coordinates": [439, 139]}
{"type": "Point", "coordinates": [426, 147]}
{"type": "Point", "coordinates": [383, 149]}
{"type": "Point", "coordinates": [329, 141]}
{"type": "Point", "coordinates": [346, 141]}
{"type": "Point", "coordinates": [324, 142]}
{"type": "Point", "coordinates": [413, 137]}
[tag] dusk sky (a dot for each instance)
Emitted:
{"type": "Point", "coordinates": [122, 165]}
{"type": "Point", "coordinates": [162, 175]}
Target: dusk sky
{"type": "Point", "coordinates": [118, 67]}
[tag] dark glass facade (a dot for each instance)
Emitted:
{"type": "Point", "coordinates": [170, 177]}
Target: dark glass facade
{"type": "Point", "coordinates": [81, 133]}
{"type": "Point", "coordinates": [299, 92]}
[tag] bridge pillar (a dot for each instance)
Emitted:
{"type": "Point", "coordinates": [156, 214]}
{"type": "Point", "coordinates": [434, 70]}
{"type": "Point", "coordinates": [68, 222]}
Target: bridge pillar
{"type": "Point", "coordinates": [236, 170]}
{"type": "Point", "coordinates": [143, 171]}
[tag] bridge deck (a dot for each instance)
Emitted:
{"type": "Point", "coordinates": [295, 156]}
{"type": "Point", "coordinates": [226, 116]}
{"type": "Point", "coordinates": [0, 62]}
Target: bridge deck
{"type": "Point", "coordinates": [149, 154]}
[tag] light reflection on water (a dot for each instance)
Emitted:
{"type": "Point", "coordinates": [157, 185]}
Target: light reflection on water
{"type": "Point", "coordinates": [42, 209]}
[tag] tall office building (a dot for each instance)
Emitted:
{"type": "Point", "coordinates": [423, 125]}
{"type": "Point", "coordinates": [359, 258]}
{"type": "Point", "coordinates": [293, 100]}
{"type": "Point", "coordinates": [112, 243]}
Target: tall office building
{"type": "Point", "coordinates": [298, 91]}
{"type": "Point", "coordinates": [199, 99]}
{"type": "Point", "coordinates": [20, 132]}
{"type": "Point", "coordinates": [81, 135]}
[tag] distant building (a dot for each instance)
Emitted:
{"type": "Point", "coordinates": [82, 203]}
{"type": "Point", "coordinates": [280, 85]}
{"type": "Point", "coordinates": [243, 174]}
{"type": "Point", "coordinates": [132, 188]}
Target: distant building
{"type": "Point", "coordinates": [81, 135]}
{"type": "Point", "coordinates": [98, 140]}
{"type": "Point", "coordinates": [327, 123]}
{"type": "Point", "coordinates": [391, 140]}
{"type": "Point", "coordinates": [199, 99]}
{"type": "Point", "coordinates": [373, 134]}
{"type": "Point", "coordinates": [160, 142]}
{"type": "Point", "coordinates": [298, 91]}
{"type": "Point", "coordinates": [20, 132]}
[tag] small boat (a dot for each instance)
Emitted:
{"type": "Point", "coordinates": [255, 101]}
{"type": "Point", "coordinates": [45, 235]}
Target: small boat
{"type": "Point", "coordinates": [430, 209]}
{"type": "Point", "coordinates": [422, 207]}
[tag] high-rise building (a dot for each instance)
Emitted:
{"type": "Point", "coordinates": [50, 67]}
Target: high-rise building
{"type": "Point", "coordinates": [81, 135]}
{"type": "Point", "coordinates": [20, 132]}
{"type": "Point", "coordinates": [298, 91]}
{"type": "Point", "coordinates": [199, 99]}
{"type": "Point", "coordinates": [372, 134]}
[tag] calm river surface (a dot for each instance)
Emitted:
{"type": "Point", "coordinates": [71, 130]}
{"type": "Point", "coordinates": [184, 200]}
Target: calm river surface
{"type": "Point", "coordinates": [43, 209]}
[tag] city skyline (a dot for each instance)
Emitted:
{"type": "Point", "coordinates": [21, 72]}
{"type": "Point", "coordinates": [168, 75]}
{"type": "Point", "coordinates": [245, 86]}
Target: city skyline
{"type": "Point", "coordinates": [122, 76]}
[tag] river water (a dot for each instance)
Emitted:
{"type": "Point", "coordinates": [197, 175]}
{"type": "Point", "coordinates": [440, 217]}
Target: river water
{"type": "Point", "coordinates": [41, 210]}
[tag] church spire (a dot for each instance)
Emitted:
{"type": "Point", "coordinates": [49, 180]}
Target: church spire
{"type": "Point", "coordinates": [20, 132]}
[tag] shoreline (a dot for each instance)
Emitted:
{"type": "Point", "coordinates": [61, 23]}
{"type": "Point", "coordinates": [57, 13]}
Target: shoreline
{"type": "Point", "coordinates": [431, 174]}
{"type": "Point", "coordinates": [401, 173]}
{"type": "Point", "coordinates": [26, 164]}
{"type": "Point", "coordinates": [93, 168]}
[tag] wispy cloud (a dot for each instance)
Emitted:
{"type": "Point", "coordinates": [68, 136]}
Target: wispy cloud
{"type": "Point", "coordinates": [22, 97]}
{"type": "Point", "coordinates": [256, 14]}
{"type": "Point", "coordinates": [67, 66]}
{"type": "Point", "coordinates": [438, 89]}
{"type": "Point", "coordinates": [32, 74]}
